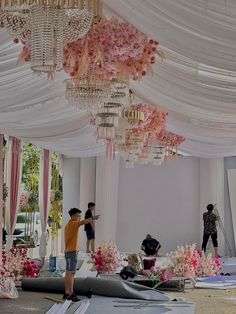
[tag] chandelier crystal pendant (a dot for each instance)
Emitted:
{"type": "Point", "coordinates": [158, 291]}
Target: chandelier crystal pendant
{"type": "Point", "coordinates": [121, 91]}
{"type": "Point", "coordinates": [47, 25]}
{"type": "Point", "coordinates": [107, 121]}
{"type": "Point", "coordinates": [133, 116]}
{"type": "Point", "coordinates": [16, 20]}
{"type": "Point", "coordinates": [156, 154]}
{"type": "Point", "coordinates": [88, 92]}
{"type": "Point", "coordinates": [50, 28]}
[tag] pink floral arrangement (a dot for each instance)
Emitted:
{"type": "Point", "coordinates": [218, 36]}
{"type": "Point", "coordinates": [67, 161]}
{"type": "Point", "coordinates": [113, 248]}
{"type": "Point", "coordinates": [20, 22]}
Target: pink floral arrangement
{"type": "Point", "coordinates": [206, 265]}
{"type": "Point", "coordinates": [114, 49]}
{"type": "Point", "coordinates": [159, 275]}
{"type": "Point", "coordinates": [17, 265]}
{"type": "Point", "coordinates": [189, 262]}
{"type": "Point", "coordinates": [106, 258]}
{"type": "Point", "coordinates": [154, 119]}
{"type": "Point", "coordinates": [169, 139]}
{"type": "Point", "coordinates": [184, 261]}
{"type": "Point", "coordinates": [24, 199]}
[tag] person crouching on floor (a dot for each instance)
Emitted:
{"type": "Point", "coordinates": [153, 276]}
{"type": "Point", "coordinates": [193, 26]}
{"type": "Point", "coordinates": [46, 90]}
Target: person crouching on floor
{"type": "Point", "coordinates": [150, 246]}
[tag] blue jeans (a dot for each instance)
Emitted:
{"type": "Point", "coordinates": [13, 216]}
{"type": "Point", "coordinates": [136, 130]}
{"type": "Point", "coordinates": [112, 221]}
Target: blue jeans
{"type": "Point", "coordinates": [71, 261]}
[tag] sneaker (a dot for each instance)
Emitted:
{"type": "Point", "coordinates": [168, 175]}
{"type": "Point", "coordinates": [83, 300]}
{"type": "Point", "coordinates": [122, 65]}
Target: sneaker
{"type": "Point", "coordinates": [73, 297]}
{"type": "Point", "coordinates": [65, 296]}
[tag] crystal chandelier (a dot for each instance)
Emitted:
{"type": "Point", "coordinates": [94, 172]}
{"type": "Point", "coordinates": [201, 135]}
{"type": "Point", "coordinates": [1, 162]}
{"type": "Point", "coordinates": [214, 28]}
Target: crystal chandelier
{"type": "Point", "coordinates": [88, 92]}
{"type": "Point", "coordinates": [50, 28]}
{"type": "Point", "coordinates": [108, 116]}
{"type": "Point", "coordinates": [47, 25]}
{"type": "Point", "coordinates": [107, 121]}
{"type": "Point", "coordinates": [121, 92]}
{"type": "Point", "coordinates": [133, 116]}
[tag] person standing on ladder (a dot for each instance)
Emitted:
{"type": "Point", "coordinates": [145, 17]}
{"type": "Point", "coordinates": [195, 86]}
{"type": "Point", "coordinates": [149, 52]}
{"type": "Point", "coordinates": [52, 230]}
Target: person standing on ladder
{"type": "Point", "coordinates": [209, 220]}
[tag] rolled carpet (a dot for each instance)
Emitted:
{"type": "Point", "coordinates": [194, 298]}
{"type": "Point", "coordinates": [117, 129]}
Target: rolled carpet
{"type": "Point", "coordinates": [98, 286]}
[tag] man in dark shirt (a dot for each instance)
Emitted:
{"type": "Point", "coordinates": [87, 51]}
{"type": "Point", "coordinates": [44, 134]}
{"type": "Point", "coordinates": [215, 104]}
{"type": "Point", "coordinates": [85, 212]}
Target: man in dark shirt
{"type": "Point", "coordinates": [89, 228]}
{"type": "Point", "coordinates": [150, 245]}
{"type": "Point", "coordinates": [209, 221]}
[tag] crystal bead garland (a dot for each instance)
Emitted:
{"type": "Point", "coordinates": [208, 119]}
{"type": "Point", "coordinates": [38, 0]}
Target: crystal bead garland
{"type": "Point", "coordinates": [77, 24]}
{"type": "Point", "coordinates": [43, 52]}
{"type": "Point", "coordinates": [47, 25]}
{"type": "Point", "coordinates": [16, 21]}
{"type": "Point", "coordinates": [108, 117]}
{"type": "Point", "coordinates": [88, 92]}
{"type": "Point", "coordinates": [50, 27]}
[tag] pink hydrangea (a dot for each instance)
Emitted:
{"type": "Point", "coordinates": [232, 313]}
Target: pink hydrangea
{"type": "Point", "coordinates": [106, 258]}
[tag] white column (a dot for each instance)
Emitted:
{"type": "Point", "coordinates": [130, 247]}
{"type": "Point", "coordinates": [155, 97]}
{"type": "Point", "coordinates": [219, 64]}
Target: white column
{"type": "Point", "coordinates": [212, 192]}
{"type": "Point", "coordinates": [87, 190]}
{"type": "Point", "coordinates": [71, 189]}
{"type": "Point", "coordinates": [107, 180]}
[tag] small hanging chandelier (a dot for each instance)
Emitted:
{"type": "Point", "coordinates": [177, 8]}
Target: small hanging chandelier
{"type": "Point", "coordinates": [88, 92]}
{"type": "Point", "coordinates": [133, 116]}
{"type": "Point", "coordinates": [46, 25]}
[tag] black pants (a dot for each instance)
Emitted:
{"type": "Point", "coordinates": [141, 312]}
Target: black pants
{"type": "Point", "coordinates": [206, 238]}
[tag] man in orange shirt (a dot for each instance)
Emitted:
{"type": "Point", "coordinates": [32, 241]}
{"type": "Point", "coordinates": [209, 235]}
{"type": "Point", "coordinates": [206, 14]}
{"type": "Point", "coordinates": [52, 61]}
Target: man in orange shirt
{"type": "Point", "coordinates": [72, 248]}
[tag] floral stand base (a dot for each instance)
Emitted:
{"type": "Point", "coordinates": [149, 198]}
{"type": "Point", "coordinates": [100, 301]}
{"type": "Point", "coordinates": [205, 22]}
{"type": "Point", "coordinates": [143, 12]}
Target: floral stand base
{"type": "Point", "coordinates": [175, 284]}
{"type": "Point", "coordinates": [8, 289]}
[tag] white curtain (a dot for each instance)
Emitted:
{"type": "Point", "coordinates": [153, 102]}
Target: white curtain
{"type": "Point", "coordinates": [212, 192]}
{"type": "Point", "coordinates": [44, 197]}
{"type": "Point", "coordinates": [231, 175]}
{"type": "Point", "coordinates": [107, 180]}
{"type": "Point", "coordinates": [1, 195]}
{"type": "Point", "coordinates": [13, 183]}
{"type": "Point", "coordinates": [87, 190]}
{"type": "Point", "coordinates": [71, 190]}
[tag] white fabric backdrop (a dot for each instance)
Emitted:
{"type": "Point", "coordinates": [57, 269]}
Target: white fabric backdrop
{"type": "Point", "coordinates": [231, 175]}
{"type": "Point", "coordinates": [44, 212]}
{"type": "Point", "coordinates": [107, 180]}
{"type": "Point", "coordinates": [10, 228]}
{"type": "Point", "coordinates": [196, 83]}
{"type": "Point", "coordinates": [87, 191]}
{"type": "Point", "coordinates": [212, 192]}
{"type": "Point", "coordinates": [71, 190]}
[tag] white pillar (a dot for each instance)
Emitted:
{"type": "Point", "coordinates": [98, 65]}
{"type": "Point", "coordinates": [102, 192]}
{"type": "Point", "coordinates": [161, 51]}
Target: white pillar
{"type": "Point", "coordinates": [212, 192]}
{"type": "Point", "coordinates": [71, 189]}
{"type": "Point", "coordinates": [107, 179]}
{"type": "Point", "coordinates": [87, 190]}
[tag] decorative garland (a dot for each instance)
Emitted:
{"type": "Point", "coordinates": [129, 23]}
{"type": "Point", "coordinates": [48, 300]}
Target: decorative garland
{"type": "Point", "coordinates": [170, 140]}
{"type": "Point", "coordinates": [114, 49]}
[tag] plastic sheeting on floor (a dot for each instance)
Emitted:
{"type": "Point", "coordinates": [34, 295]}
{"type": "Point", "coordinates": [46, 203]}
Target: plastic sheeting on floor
{"type": "Point", "coordinates": [104, 305]}
{"type": "Point", "coordinates": [228, 265]}
{"type": "Point", "coordinates": [216, 282]}
{"type": "Point", "coordinates": [102, 287]}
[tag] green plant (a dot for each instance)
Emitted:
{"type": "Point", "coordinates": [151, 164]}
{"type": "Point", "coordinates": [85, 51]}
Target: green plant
{"type": "Point", "coordinates": [5, 192]}
{"type": "Point", "coordinates": [33, 200]}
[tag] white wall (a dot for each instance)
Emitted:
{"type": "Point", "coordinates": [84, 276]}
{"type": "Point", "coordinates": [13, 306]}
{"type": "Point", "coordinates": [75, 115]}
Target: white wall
{"type": "Point", "coordinates": [107, 181]}
{"type": "Point", "coordinates": [160, 200]}
{"type": "Point", "coordinates": [230, 163]}
{"type": "Point", "coordinates": [87, 191]}
{"type": "Point", "coordinates": [71, 184]}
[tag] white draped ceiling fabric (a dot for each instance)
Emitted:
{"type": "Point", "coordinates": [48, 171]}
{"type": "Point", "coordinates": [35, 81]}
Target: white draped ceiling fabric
{"type": "Point", "coordinates": [196, 83]}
